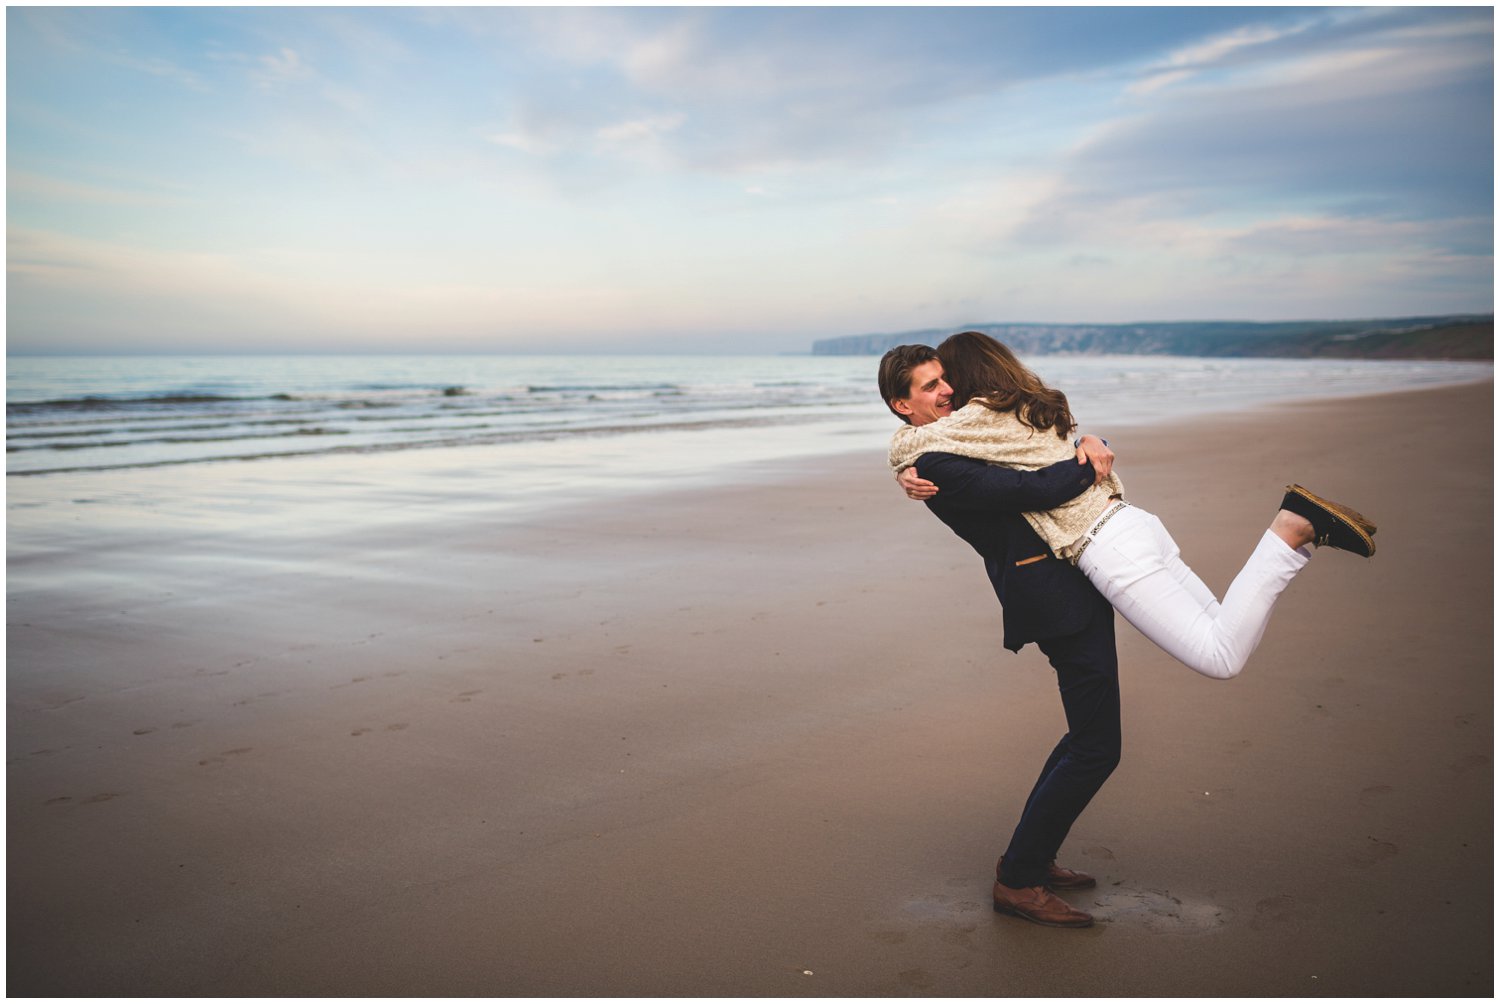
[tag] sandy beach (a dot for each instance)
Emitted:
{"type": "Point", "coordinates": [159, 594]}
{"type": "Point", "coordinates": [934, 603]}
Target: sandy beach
{"type": "Point", "coordinates": [302, 738]}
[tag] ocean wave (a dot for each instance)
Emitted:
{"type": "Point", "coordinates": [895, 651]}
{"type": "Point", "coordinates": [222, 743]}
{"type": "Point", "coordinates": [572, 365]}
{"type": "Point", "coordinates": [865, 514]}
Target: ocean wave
{"type": "Point", "coordinates": [464, 438]}
{"type": "Point", "coordinates": [100, 402]}
{"type": "Point", "coordinates": [92, 427]}
{"type": "Point", "coordinates": [126, 401]}
{"type": "Point", "coordinates": [102, 444]}
{"type": "Point", "coordinates": [584, 388]}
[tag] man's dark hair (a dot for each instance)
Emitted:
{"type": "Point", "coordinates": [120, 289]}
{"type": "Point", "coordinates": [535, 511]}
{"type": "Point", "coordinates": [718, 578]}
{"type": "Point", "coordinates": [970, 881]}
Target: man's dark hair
{"type": "Point", "coordinates": [895, 373]}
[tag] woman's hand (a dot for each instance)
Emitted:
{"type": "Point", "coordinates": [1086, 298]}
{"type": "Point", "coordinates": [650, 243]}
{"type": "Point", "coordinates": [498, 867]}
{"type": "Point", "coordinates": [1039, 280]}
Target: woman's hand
{"type": "Point", "coordinates": [1093, 450]}
{"type": "Point", "coordinates": [917, 489]}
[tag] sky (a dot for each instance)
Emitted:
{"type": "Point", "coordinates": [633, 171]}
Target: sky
{"type": "Point", "coordinates": [709, 179]}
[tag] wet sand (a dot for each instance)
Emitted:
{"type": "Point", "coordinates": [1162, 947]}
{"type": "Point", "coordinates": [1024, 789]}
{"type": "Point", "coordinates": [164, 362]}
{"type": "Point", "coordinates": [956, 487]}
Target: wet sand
{"type": "Point", "coordinates": [758, 739]}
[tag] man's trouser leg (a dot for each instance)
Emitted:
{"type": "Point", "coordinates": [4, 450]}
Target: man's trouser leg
{"type": "Point", "coordinates": [1089, 681]}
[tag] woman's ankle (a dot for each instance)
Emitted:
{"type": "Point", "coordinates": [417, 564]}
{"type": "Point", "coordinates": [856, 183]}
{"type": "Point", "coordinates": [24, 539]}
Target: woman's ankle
{"type": "Point", "coordinates": [1295, 531]}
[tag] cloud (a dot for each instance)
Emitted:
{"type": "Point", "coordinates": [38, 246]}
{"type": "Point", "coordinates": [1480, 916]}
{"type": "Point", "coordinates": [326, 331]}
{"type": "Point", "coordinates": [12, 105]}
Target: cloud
{"type": "Point", "coordinates": [29, 185]}
{"type": "Point", "coordinates": [639, 136]}
{"type": "Point", "coordinates": [280, 68]}
{"type": "Point", "coordinates": [1381, 125]}
{"type": "Point", "coordinates": [157, 67]}
{"type": "Point", "coordinates": [775, 89]}
{"type": "Point", "coordinates": [554, 125]}
{"type": "Point", "coordinates": [1301, 237]}
{"type": "Point", "coordinates": [817, 91]}
{"type": "Point", "coordinates": [73, 294]}
{"type": "Point", "coordinates": [1188, 62]}
{"type": "Point", "coordinates": [533, 144]}
{"type": "Point", "coordinates": [158, 297]}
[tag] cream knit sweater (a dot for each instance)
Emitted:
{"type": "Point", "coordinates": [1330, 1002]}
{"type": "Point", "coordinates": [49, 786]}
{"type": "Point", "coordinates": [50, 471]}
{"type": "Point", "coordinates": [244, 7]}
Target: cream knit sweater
{"type": "Point", "coordinates": [1001, 438]}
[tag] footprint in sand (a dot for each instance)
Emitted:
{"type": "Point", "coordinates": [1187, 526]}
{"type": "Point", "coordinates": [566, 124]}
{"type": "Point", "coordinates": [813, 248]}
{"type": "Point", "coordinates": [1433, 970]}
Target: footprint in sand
{"type": "Point", "coordinates": [145, 731]}
{"type": "Point", "coordinates": [1374, 794]}
{"type": "Point", "coordinates": [954, 919]}
{"type": "Point", "coordinates": [359, 731]}
{"type": "Point", "coordinates": [1373, 851]}
{"type": "Point", "coordinates": [961, 934]}
{"type": "Point", "coordinates": [917, 979]}
{"type": "Point", "coordinates": [103, 796]}
{"type": "Point", "coordinates": [1099, 853]}
{"type": "Point", "coordinates": [59, 800]}
{"type": "Point", "coordinates": [1471, 762]}
{"type": "Point", "coordinates": [943, 908]}
{"type": "Point", "coordinates": [1273, 912]}
{"type": "Point", "coordinates": [223, 757]}
{"type": "Point", "coordinates": [397, 726]}
{"type": "Point", "coordinates": [465, 697]}
{"type": "Point", "coordinates": [1158, 912]}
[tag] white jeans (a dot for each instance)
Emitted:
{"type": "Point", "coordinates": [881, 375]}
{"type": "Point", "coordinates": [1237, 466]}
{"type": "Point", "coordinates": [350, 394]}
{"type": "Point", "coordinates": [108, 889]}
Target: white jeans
{"type": "Point", "coordinates": [1134, 562]}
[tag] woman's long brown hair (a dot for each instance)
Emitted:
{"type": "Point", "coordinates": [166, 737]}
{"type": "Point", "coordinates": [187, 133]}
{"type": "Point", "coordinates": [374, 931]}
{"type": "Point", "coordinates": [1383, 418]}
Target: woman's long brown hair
{"type": "Point", "coordinates": [979, 368]}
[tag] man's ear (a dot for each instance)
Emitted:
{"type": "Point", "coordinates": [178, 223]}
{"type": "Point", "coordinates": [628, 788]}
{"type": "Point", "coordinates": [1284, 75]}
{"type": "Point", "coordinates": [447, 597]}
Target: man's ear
{"type": "Point", "coordinates": [901, 405]}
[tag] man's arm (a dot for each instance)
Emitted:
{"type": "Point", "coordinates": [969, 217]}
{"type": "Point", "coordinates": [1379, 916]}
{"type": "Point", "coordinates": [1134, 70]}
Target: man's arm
{"type": "Point", "coordinates": [1087, 449]}
{"type": "Point", "coordinates": [965, 483]}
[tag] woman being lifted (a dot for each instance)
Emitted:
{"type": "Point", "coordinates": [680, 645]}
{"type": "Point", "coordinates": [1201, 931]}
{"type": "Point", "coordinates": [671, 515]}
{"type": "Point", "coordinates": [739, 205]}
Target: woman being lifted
{"type": "Point", "coordinates": [1005, 415]}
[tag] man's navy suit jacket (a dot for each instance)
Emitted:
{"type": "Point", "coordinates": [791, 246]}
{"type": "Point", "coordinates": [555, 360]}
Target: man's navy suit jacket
{"type": "Point", "coordinates": [1042, 595]}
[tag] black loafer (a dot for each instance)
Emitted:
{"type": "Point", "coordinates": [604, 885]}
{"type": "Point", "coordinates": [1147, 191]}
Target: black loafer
{"type": "Point", "coordinates": [1334, 525]}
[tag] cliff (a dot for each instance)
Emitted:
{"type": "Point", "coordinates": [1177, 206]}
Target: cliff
{"type": "Point", "coordinates": [1465, 336]}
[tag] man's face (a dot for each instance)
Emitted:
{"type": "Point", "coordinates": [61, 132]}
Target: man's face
{"type": "Point", "coordinates": [931, 397]}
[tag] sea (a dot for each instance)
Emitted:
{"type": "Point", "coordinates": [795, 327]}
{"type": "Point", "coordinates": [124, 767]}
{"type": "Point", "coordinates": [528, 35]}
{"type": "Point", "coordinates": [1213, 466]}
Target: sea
{"type": "Point", "coordinates": [100, 414]}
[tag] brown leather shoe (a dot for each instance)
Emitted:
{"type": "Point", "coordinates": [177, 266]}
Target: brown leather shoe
{"type": "Point", "coordinates": [1039, 906]}
{"type": "Point", "coordinates": [1066, 879]}
{"type": "Point", "coordinates": [1059, 879]}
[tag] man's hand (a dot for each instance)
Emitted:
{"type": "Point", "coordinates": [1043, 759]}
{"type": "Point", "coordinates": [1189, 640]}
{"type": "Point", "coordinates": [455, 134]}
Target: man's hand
{"type": "Point", "coordinates": [1093, 450]}
{"type": "Point", "coordinates": [917, 489]}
